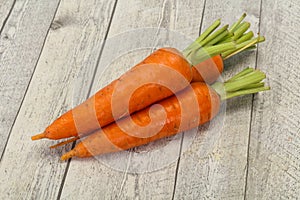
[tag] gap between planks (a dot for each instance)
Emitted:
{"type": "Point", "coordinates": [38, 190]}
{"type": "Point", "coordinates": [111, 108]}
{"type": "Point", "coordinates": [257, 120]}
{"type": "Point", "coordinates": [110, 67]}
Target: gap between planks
{"type": "Point", "coordinates": [8, 15]}
{"type": "Point", "coordinates": [251, 112]}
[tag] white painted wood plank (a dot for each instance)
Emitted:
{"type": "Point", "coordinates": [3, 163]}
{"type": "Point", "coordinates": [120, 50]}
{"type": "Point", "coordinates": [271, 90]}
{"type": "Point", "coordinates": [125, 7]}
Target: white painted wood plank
{"type": "Point", "coordinates": [91, 177]}
{"type": "Point", "coordinates": [30, 169]}
{"type": "Point", "coordinates": [214, 166]}
{"type": "Point", "coordinates": [274, 156]}
{"type": "Point", "coordinates": [21, 42]}
{"type": "Point", "coordinates": [5, 8]}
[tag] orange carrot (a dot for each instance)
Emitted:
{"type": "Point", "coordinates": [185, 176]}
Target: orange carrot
{"type": "Point", "coordinates": [167, 70]}
{"type": "Point", "coordinates": [200, 104]}
{"type": "Point", "coordinates": [165, 60]}
{"type": "Point", "coordinates": [209, 70]}
{"type": "Point", "coordinates": [112, 138]}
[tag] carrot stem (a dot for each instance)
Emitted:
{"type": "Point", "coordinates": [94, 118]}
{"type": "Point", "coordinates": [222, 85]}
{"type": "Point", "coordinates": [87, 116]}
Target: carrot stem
{"type": "Point", "coordinates": [241, 30]}
{"type": "Point", "coordinates": [248, 81]}
{"type": "Point", "coordinates": [244, 81]}
{"type": "Point", "coordinates": [245, 37]}
{"type": "Point", "coordinates": [245, 92]}
{"type": "Point", "coordinates": [213, 36]}
{"type": "Point", "coordinates": [197, 50]}
{"type": "Point", "coordinates": [236, 24]}
{"type": "Point", "coordinates": [208, 41]}
{"type": "Point", "coordinates": [238, 34]}
{"type": "Point", "coordinates": [210, 51]}
{"type": "Point", "coordinates": [237, 29]}
{"type": "Point", "coordinates": [250, 48]}
{"type": "Point", "coordinates": [218, 38]}
{"type": "Point", "coordinates": [228, 38]}
{"type": "Point", "coordinates": [242, 47]}
{"type": "Point", "coordinates": [209, 30]}
{"type": "Point", "coordinates": [240, 74]}
{"type": "Point", "coordinates": [254, 85]}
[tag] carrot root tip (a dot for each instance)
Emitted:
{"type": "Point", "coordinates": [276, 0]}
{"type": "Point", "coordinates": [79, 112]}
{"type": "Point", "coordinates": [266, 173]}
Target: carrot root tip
{"type": "Point", "coordinates": [38, 136]}
{"type": "Point", "coordinates": [64, 142]}
{"type": "Point", "coordinates": [68, 155]}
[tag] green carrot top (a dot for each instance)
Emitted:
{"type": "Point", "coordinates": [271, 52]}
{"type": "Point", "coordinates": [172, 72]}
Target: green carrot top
{"type": "Point", "coordinates": [224, 41]}
{"type": "Point", "coordinates": [248, 81]}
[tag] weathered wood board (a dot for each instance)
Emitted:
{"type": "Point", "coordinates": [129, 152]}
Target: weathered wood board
{"type": "Point", "coordinates": [21, 42]}
{"type": "Point", "coordinates": [5, 8]}
{"type": "Point", "coordinates": [30, 169]}
{"type": "Point", "coordinates": [54, 54]}
{"type": "Point", "coordinates": [274, 152]}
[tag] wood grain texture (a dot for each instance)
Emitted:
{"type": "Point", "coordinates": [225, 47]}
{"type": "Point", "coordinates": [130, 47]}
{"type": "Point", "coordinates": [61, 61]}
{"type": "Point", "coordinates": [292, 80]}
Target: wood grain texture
{"type": "Point", "coordinates": [73, 44]}
{"type": "Point", "coordinates": [214, 166]}
{"type": "Point", "coordinates": [108, 181]}
{"type": "Point", "coordinates": [21, 42]}
{"type": "Point", "coordinates": [274, 162]}
{"type": "Point", "coordinates": [5, 7]}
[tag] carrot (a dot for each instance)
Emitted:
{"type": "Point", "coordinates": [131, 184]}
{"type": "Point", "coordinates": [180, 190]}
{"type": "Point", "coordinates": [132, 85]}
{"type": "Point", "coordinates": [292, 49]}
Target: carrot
{"type": "Point", "coordinates": [167, 70]}
{"type": "Point", "coordinates": [167, 59]}
{"type": "Point", "coordinates": [209, 70]}
{"type": "Point", "coordinates": [191, 107]}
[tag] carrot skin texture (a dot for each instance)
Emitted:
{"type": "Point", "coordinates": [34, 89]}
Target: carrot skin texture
{"type": "Point", "coordinates": [96, 111]}
{"type": "Point", "coordinates": [112, 138]}
{"type": "Point", "coordinates": [209, 70]}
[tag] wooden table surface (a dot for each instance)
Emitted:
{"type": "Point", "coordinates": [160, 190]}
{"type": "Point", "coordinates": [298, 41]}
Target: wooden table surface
{"type": "Point", "coordinates": [51, 57]}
